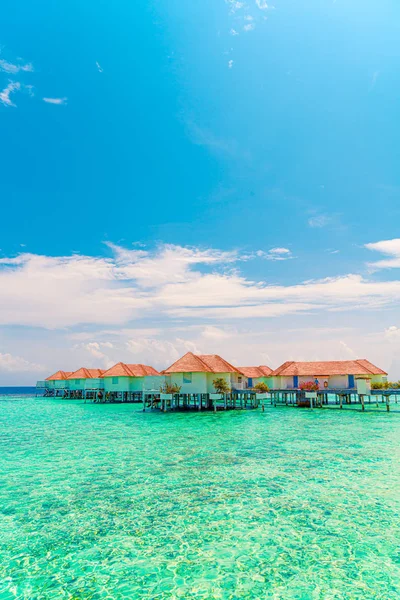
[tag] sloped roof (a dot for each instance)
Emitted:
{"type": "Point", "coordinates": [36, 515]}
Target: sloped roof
{"type": "Point", "coordinates": [333, 367]}
{"type": "Point", "coordinates": [201, 363]}
{"type": "Point", "coordinates": [254, 372]}
{"type": "Point", "coordinates": [124, 370]}
{"type": "Point", "coordinates": [59, 376]}
{"type": "Point", "coordinates": [83, 373]}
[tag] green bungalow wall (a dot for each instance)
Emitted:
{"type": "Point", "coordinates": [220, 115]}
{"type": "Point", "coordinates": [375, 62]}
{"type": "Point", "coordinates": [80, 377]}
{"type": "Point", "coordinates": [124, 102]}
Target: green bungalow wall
{"type": "Point", "coordinates": [57, 384]}
{"type": "Point", "coordinates": [93, 384]}
{"type": "Point", "coordinates": [133, 384]}
{"type": "Point", "coordinates": [269, 381]}
{"type": "Point", "coordinates": [197, 383]}
{"type": "Point", "coordinates": [76, 384]}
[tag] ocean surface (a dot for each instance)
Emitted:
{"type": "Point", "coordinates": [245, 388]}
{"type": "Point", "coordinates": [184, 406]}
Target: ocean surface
{"type": "Point", "coordinates": [105, 501]}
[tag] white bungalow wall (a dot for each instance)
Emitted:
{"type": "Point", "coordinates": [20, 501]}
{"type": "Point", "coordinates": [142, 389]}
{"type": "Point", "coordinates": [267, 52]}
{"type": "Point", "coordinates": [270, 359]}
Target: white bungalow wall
{"type": "Point", "coordinates": [197, 385]}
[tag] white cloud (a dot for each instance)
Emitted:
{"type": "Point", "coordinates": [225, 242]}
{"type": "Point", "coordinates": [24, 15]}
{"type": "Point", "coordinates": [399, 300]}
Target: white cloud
{"type": "Point", "coordinates": [13, 86]}
{"type": "Point", "coordinates": [59, 101]}
{"type": "Point", "coordinates": [262, 5]}
{"type": "Point", "coordinates": [230, 64]}
{"type": "Point", "coordinates": [234, 32]}
{"type": "Point", "coordinates": [234, 5]}
{"type": "Point", "coordinates": [249, 27]}
{"type": "Point", "coordinates": [320, 221]}
{"type": "Point", "coordinates": [347, 351]}
{"type": "Point", "coordinates": [99, 68]}
{"type": "Point", "coordinates": [215, 333]}
{"type": "Point", "coordinates": [278, 254]}
{"type": "Point", "coordinates": [169, 282]}
{"type": "Point", "coordinates": [392, 333]}
{"type": "Point", "coordinates": [11, 363]}
{"type": "Point", "coordinates": [158, 352]}
{"type": "Point", "coordinates": [390, 248]}
{"type": "Point", "coordinates": [8, 67]}
{"type": "Point", "coordinates": [248, 18]}
{"type": "Point", "coordinates": [96, 350]}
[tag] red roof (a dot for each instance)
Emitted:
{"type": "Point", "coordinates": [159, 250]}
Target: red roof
{"type": "Point", "coordinates": [201, 363]}
{"type": "Point", "coordinates": [333, 367]}
{"type": "Point", "coordinates": [124, 370]}
{"type": "Point", "coordinates": [59, 376]}
{"type": "Point", "coordinates": [254, 372]}
{"type": "Point", "coordinates": [83, 373]}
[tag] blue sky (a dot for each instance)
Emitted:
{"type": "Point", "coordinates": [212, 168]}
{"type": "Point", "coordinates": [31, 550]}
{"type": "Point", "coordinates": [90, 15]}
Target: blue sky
{"type": "Point", "coordinates": [242, 154]}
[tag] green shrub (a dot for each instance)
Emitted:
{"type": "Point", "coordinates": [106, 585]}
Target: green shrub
{"type": "Point", "coordinates": [261, 388]}
{"type": "Point", "coordinates": [221, 386]}
{"type": "Point", "coordinates": [170, 388]}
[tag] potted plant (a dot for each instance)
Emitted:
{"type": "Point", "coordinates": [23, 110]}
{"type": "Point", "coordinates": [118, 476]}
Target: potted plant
{"type": "Point", "coordinates": [306, 388]}
{"type": "Point", "coordinates": [261, 388]}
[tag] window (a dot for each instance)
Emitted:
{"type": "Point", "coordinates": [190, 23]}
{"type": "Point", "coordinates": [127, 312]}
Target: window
{"type": "Point", "coordinates": [187, 378]}
{"type": "Point", "coordinates": [77, 381]}
{"type": "Point", "coordinates": [115, 380]}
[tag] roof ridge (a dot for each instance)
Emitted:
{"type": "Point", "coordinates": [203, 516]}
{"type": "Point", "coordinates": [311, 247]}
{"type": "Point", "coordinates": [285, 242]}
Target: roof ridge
{"type": "Point", "coordinates": [236, 370]}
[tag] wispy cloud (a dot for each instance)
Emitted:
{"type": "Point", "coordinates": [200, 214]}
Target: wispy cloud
{"type": "Point", "coordinates": [99, 68]}
{"type": "Point", "coordinates": [8, 67]}
{"type": "Point", "coordinates": [234, 32]}
{"type": "Point", "coordinates": [234, 5]}
{"type": "Point", "coordinates": [374, 79]}
{"type": "Point", "coordinates": [13, 86]}
{"type": "Point", "coordinates": [221, 146]}
{"type": "Point", "coordinates": [278, 254]}
{"type": "Point", "coordinates": [16, 364]}
{"type": "Point", "coordinates": [230, 64]}
{"type": "Point", "coordinates": [319, 221]}
{"type": "Point", "coordinates": [59, 101]}
{"type": "Point", "coordinates": [262, 5]}
{"type": "Point", "coordinates": [249, 27]}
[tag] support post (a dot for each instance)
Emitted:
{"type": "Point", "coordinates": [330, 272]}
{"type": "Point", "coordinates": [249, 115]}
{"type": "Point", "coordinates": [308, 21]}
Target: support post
{"type": "Point", "coordinates": [341, 400]}
{"type": "Point", "coordinates": [388, 403]}
{"type": "Point", "coordinates": [362, 402]}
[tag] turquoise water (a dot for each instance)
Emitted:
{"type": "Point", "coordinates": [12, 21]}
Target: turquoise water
{"type": "Point", "coordinates": [104, 501]}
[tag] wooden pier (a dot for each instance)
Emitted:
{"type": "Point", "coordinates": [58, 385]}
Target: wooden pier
{"type": "Point", "coordinates": [199, 402]}
{"type": "Point", "coordinates": [237, 400]}
{"type": "Point", "coordinates": [340, 399]}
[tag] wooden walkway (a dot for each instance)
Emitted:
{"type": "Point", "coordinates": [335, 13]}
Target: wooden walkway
{"type": "Point", "coordinates": [337, 399]}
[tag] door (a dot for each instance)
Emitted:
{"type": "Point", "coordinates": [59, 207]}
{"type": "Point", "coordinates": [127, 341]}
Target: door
{"type": "Point", "coordinates": [296, 382]}
{"type": "Point", "coordinates": [351, 382]}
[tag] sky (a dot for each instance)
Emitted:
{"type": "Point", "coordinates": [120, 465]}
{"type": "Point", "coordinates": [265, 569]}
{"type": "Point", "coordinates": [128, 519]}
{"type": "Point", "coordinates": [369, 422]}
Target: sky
{"type": "Point", "coordinates": [217, 176]}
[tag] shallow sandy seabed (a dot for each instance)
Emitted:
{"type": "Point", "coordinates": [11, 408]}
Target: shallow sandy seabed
{"type": "Point", "coordinates": [104, 501]}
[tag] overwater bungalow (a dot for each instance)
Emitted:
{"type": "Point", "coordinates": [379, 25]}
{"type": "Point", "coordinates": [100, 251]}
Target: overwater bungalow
{"type": "Point", "coordinates": [129, 378]}
{"type": "Point", "coordinates": [58, 381]}
{"type": "Point", "coordinates": [195, 373]}
{"type": "Point", "coordinates": [254, 375]}
{"type": "Point", "coordinates": [86, 380]}
{"type": "Point", "coordinates": [338, 374]}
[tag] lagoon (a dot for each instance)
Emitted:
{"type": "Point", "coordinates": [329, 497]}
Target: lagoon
{"type": "Point", "coordinates": [105, 501]}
